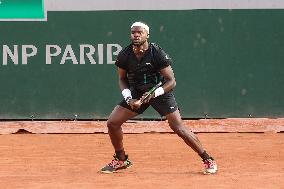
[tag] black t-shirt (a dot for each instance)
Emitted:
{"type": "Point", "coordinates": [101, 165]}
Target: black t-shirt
{"type": "Point", "coordinates": [144, 74]}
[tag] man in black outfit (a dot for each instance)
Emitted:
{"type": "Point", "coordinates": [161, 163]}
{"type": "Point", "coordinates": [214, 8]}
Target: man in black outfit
{"type": "Point", "coordinates": [141, 65]}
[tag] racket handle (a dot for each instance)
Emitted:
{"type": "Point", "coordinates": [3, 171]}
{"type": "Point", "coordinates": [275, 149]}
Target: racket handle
{"type": "Point", "coordinates": [150, 92]}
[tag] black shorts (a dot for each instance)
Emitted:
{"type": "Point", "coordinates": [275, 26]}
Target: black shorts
{"type": "Point", "coordinates": [164, 104]}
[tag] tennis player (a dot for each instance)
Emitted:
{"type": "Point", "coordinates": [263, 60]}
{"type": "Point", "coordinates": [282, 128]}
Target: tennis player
{"type": "Point", "coordinates": [141, 66]}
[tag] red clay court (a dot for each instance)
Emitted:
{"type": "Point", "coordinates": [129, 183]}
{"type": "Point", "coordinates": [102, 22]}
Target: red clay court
{"type": "Point", "coordinates": [161, 159]}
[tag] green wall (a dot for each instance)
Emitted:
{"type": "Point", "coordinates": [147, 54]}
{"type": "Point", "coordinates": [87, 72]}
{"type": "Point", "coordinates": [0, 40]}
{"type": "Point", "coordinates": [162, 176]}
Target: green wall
{"type": "Point", "coordinates": [228, 63]}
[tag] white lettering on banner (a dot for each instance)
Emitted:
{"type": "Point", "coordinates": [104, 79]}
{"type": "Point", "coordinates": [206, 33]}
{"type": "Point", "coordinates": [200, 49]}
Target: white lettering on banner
{"type": "Point", "coordinates": [89, 54]}
{"type": "Point", "coordinates": [68, 50]}
{"type": "Point", "coordinates": [66, 54]}
{"type": "Point", "coordinates": [25, 54]}
{"type": "Point", "coordinates": [110, 53]}
{"type": "Point", "coordinates": [86, 51]}
{"type": "Point", "coordinates": [14, 56]}
{"type": "Point", "coordinates": [101, 53]}
{"type": "Point", "coordinates": [48, 53]}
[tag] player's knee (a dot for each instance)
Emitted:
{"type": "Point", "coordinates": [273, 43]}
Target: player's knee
{"type": "Point", "coordinates": [113, 125]}
{"type": "Point", "coordinates": [179, 130]}
{"type": "Point", "coordinates": [176, 126]}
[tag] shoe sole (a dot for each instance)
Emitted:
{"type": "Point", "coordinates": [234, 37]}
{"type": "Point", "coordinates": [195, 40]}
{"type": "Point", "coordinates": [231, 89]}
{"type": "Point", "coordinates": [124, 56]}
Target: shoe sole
{"type": "Point", "coordinates": [209, 173]}
{"type": "Point", "coordinates": [107, 172]}
{"type": "Point", "coordinates": [110, 172]}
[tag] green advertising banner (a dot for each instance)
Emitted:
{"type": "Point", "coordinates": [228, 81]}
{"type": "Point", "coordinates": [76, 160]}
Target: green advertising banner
{"type": "Point", "coordinates": [227, 63]}
{"type": "Point", "coordinates": [22, 9]}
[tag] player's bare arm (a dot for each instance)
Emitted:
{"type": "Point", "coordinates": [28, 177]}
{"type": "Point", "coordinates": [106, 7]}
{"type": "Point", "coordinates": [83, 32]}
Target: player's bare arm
{"type": "Point", "coordinates": [122, 79]}
{"type": "Point", "coordinates": [123, 84]}
{"type": "Point", "coordinates": [169, 77]}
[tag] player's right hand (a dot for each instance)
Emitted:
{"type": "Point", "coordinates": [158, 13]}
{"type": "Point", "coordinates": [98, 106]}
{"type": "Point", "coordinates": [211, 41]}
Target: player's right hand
{"type": "Point", "coordinates": [135, 104]}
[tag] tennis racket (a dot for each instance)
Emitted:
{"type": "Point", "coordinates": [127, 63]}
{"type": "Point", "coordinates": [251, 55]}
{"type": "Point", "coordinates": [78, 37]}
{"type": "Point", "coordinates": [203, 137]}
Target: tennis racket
{"type": "Point", "coordinates": [150, 92]}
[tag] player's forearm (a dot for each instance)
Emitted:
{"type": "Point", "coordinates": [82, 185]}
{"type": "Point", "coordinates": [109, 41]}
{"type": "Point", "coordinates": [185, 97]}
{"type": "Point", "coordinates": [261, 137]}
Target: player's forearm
{"type": "Point", "coordinates": [123, 84]}
{"type": "Point", "coordinates": [169, 85]}
{"type": "Point", "coordinates": [170, 79]}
